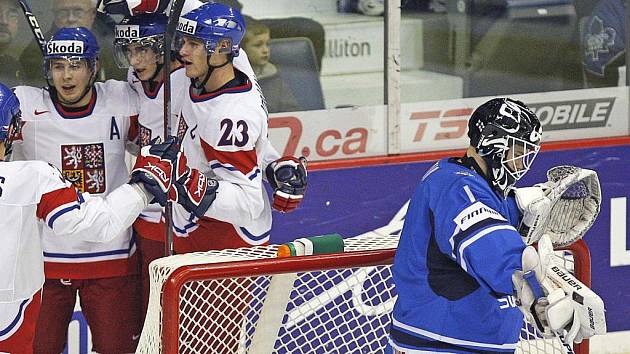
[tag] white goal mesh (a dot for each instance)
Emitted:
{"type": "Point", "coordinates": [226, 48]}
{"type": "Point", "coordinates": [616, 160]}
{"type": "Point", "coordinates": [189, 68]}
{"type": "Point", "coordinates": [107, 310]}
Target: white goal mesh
{"type": "Point", "coordinates": [319, 304]}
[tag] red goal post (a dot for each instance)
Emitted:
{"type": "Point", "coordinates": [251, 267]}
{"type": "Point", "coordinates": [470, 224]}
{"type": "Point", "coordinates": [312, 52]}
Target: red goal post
{"type": "Point", "coordinates": [247, 301]}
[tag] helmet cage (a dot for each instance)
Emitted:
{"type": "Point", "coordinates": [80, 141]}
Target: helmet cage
{"type": "Point", "coordinates": [10, 132]}
{"type": "Point", "coordinates": [507, 155]}
{"type": "Point", "coordinates": [519, 157]}
{"type": "Point", "coordinates": [90, 63]}
{"type": "Point", "coordinates": [121, 48]}
{"type": "Point", "coordinates": [209, 44]}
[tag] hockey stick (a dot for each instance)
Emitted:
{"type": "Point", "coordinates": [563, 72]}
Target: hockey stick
{"type": "Point", "coordinates": [171, 27]}
{"type": "Point", "coordinates": [34, 25]}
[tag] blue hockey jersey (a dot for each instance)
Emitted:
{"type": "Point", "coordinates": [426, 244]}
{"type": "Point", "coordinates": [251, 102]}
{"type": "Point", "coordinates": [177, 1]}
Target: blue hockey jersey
{"type": "Point", "coordinates": [453, 267]}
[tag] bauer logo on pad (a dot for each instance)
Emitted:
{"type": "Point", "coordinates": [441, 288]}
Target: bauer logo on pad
{"type": "Point", "coordinates": [127, 31]}
{"type": "Point", "coordinates": [64, 47]}
{"type": "Point", "coordinates": [186, 26]}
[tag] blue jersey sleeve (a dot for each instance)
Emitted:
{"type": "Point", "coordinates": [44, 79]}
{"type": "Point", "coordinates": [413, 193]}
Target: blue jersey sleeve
{"type": "Point", "coordinates": [476, 228]}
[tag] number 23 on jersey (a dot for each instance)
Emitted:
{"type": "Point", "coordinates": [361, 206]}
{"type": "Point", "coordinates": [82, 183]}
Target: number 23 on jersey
{"type": "Point", "coordinates": [233, 133]}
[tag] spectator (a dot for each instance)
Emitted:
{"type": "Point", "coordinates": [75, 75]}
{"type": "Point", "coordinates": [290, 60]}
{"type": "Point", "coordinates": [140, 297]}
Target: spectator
{"type": "Point", "coordinates": [9, 66]}
{"type": "Point", "coordinates": [75, 13]}
{"type": "Point", "coordinates": [291, 27]}
{"type": "Point", "coordinates": [604, 43]}
{"type": "Point", "coordinates": [275, 89]}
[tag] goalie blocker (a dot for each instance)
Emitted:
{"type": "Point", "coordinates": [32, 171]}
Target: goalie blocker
{"type": "Point", "coordinates": [554, 299]}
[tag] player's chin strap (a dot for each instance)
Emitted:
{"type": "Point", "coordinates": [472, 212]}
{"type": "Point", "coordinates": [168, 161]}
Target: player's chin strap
{"type": "Point", "coordinates": [200, 84]}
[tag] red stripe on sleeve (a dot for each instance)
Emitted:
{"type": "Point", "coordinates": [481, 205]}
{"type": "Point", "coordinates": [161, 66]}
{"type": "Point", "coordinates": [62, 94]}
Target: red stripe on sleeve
{"type": "Point", "coordinates": [52, 200]}
{"type": "Point", "coordinates": [133, 128]}
{"type": "Point", "coordinates": [243, 160]}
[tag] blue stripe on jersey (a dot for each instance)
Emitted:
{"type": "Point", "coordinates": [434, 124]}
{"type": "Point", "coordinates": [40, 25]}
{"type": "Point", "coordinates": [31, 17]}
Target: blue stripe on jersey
{"type": "Point", "coordinates": [185, 229]}
{"type": "Point", "coordinates": [459, 237]}
{"type": "Point", "coordinates": [254, 237]}
{"type": "Point", "coordinates": [232, 168]}
{"type": "Point", "coordinates": [425, 336]}
{"type": "Point", "coordinates": [52, 219]}
{"type": "Point", "coordinates": [227, 167]}
{"type": "Point", "coordinates": [407, 341]}
{"type": "Point", "coordinates": [16, 320]}
{"type": "Point", "coordinates": [477, 236]}
{"type": "Point", "coordinates": [251, 178]}
{"type": "Point", "coordinates": [132, 242]}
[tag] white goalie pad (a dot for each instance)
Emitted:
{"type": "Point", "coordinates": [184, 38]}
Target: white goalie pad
{"type": "Point", "coordinates": [556, 301]}
{"type": "Point", "coordinates": [565, 207]}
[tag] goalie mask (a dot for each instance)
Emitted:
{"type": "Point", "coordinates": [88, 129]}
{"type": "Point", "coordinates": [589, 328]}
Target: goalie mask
{"type": "Point", "coordinates": [9, 118]}
{"type": "Point", "coordinates": [507, 135]}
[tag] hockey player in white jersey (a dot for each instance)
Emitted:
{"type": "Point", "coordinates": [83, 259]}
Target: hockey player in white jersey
{"type": "Point", "coordinates": [139, 45]}
{"type": "Point", "coordinates": [35, 196]}
{"type": "Point", "coordinates": [460, 246]}
{"type": "Point", "coordinates": [223, 128]}
{"type": "Point", "coordinates": [82, 127]}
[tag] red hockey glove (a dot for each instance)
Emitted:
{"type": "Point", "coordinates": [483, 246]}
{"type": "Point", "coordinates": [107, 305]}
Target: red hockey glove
{"type": "Point", "coordinates": [155, 167]}
{"type": "Point", "coordinates": [195, 192]}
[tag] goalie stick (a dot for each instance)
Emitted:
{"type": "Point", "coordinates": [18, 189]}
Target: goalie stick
{"type": "Point", "coordinates": [33, 25]}
{"type": "Point", "coordinates": [171, 27]}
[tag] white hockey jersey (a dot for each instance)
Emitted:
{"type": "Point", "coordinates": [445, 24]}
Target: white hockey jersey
{"type": "Point", "coordinates": [224, 135]}
{"type": "Point", "coordinates": [35, 197]}
{"type": "Point", "coordinates": [151, 125]}
{"type": "Point", "coordinates": [89, 148]}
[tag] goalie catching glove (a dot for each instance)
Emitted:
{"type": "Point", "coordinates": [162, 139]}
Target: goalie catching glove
{"type": "Point", "coordinates": [288, 178]}
{"type": "Point", "coordinates": [553, 299]}
{"type": "Point", "coordinates": [564, 207]}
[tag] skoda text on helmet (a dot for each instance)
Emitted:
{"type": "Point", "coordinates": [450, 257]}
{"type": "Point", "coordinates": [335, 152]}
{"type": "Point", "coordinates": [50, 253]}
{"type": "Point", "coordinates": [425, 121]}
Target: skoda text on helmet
{"type": "Point", "coordinates": [9, 118]}
{"type": "Point", "coordinates": [507, 135]}
{"type": "Point", "coordinates": [211, 23]}
{"type": "Point", "coordinates": [145, 30]}
{"type": "Point", "coordinates": [73, 44]}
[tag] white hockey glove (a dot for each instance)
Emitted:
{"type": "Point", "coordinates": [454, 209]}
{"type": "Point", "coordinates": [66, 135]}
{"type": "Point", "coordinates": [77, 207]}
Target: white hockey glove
{"type": "Point", "coordinates": [535, 206]}
{"type": "Point", "coordinates": [553, 299]}
{"type": "Point", "coordinates": [564, 207]}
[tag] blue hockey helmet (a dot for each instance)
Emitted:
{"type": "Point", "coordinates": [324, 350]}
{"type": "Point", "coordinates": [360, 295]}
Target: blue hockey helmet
{"type": "Point", "coordinates": [9, 117]}
{"type": "Point", "coordinates": [147, 30]}
{"type": "Point", "coordinates": [75, 43]}
{"type": "Point", "coordinates": [211, 23]}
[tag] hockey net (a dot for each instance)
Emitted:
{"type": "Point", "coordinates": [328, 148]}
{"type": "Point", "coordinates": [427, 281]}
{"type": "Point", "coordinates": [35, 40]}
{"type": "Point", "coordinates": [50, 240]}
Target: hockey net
{"type": "Point", "coordinates": [248, 301]}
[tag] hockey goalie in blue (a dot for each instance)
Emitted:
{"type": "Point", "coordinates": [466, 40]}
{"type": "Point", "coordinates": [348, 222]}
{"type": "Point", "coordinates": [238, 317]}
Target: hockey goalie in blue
{"type": "Point", "coordinates": [465, 269]}
{"type": "Point", "coordinates": [460, 246]}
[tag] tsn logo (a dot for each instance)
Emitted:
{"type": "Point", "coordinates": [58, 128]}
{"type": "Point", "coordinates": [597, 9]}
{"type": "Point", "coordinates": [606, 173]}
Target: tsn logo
{"type": "Point", "coordinates": [441, 124]}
